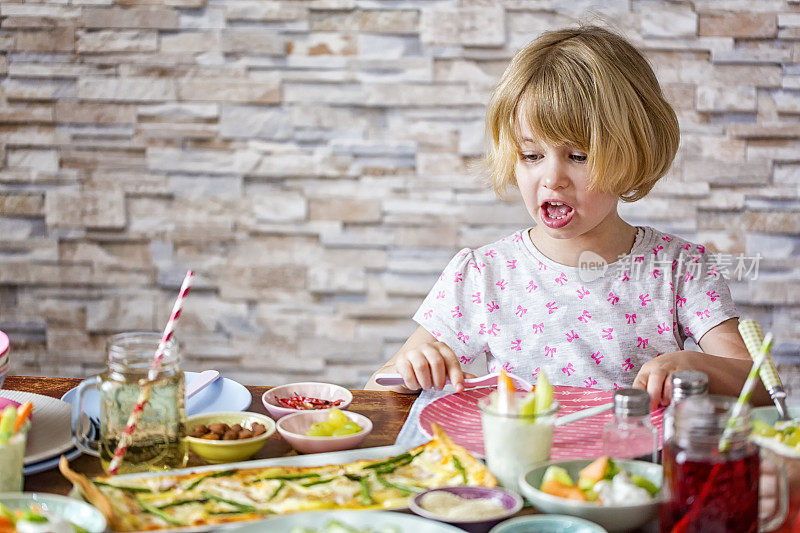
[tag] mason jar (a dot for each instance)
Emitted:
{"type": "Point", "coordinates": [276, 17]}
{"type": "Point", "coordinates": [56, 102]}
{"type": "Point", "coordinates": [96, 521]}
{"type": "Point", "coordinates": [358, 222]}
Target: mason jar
{"type": "Point", "coordinates": [711, 487]}
{"type": "Point", "coordinates": [157, 443]}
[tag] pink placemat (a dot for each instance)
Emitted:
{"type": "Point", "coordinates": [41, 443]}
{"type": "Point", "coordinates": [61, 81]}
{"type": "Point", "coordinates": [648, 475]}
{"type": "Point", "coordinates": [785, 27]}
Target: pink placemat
{"type": "Point", "coordinates": [4, 344]}
{"type": "Point", "coordinates": [459, 416]}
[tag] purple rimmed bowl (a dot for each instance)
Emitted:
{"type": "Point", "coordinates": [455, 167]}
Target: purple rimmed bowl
{"type": "Point", "coordinates": [511, 502]}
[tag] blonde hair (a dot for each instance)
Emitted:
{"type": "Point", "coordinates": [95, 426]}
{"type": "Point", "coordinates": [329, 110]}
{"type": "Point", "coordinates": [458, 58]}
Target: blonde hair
{"type": "Point", "coordinates": [589, 88]}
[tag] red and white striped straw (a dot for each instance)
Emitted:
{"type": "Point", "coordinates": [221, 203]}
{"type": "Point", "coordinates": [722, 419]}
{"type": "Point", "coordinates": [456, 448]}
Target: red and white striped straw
{"type": "Point", "coordinates": [144, 395]}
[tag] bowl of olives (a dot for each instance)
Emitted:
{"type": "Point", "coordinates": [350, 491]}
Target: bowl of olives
{"type": "Point", "coordinates": [229, 436]}
{"type": "Point", "coordinates": [324, 431]}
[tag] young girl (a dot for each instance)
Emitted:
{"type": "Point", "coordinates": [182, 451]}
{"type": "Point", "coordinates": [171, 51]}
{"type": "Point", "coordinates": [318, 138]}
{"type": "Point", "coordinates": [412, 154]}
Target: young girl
{"type": "Point", "coordinates": [577, 123]}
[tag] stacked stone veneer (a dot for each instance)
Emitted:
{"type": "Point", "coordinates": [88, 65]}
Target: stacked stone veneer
{"type": "Point", "coordinates": [313, 162]}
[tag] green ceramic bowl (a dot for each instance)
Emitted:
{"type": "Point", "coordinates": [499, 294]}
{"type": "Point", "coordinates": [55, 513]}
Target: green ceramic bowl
{"type": "Point", "coordinates": [78, 512]}
{"type": "Point", "coordinates": [612, 517]}
{"type": "Point", "coordinates": [229, 451]}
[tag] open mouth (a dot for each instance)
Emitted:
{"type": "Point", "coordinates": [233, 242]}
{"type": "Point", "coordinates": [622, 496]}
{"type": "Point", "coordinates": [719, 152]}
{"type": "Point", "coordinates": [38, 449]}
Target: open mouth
{"type": "Point", "coordinates": [556, 214]}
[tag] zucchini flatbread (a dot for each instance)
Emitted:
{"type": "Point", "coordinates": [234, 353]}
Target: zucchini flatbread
{"type": "Point", "coordinates": [162, 502]}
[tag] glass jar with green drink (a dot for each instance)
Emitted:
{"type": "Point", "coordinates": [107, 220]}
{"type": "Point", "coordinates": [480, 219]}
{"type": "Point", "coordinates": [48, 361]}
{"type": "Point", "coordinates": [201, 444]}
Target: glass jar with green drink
{"type": "Point", "coordinates": [158, 440]}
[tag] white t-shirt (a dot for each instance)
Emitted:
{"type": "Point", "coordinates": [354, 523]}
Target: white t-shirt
{"type": "Point", "coordinates": [507, 305]}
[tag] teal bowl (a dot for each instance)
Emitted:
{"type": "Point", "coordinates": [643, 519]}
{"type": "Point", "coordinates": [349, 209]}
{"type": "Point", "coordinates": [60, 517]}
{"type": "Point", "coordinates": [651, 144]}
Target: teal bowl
{"type": "Point", "coordinates": [76, 511]}
{"type": "Point", "coordinates": [612, 517]}
{"type": "Point", "coordinates": [550, 523]}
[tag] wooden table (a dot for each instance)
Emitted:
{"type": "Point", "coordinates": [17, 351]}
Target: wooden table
{"type": "Point", "coordinates": [387, 410]}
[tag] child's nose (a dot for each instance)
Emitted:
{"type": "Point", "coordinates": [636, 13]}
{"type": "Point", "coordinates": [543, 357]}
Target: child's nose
{"type": "Point", "coordinates": [556, 177]}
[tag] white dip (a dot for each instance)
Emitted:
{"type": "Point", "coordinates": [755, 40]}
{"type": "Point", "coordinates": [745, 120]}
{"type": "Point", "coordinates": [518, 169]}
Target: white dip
{"type": "Point", "coordinates": [451, 507]}
{"type": "Point", "coordinates": [621, 491]}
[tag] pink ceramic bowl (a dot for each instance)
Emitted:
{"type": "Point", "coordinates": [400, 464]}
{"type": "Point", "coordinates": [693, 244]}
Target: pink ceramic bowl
{"type": "Point", "coordinates": [322, 391]}
{"type": "Point", "coordinates": [293, 429]}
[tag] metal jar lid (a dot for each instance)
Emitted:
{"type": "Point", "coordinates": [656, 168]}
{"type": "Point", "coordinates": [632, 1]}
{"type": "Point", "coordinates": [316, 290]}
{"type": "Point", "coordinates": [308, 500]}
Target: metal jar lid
{"type": "Point", "coordinates": [631, 402]}
{"type": "Point", "coordinates": [688, 383]}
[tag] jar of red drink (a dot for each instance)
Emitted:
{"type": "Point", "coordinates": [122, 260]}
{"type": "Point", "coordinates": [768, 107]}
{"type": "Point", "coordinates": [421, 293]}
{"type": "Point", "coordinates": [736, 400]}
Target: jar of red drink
{"type": "Point", "coordinates": [706, 489]}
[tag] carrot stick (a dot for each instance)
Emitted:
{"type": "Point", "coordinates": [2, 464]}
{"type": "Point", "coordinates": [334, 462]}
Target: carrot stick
{"type": "Point", "coordinates": [22, 414]}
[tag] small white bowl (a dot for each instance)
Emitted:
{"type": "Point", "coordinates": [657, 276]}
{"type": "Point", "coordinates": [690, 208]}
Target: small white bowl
{"type": "Point", "coordinates": [312, 389]}
{"type": "Point", "coordinates": [293, 429]}
{"type": "Point", "coordinates": [511, 502]}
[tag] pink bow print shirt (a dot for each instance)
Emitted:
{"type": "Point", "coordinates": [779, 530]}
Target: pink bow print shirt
{"type": "Point", "coordinates": [507, 305]}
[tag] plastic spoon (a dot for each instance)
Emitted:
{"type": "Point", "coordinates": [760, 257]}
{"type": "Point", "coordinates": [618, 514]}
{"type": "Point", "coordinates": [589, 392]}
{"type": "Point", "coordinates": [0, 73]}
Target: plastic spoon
{"type": "Point", "coordinates": [206, 378]}
{"type": "Point", "coordinates": [488, 380]}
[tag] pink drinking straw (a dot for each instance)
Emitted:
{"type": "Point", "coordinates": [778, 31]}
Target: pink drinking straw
{"type": "Point", "coordinates": [125, 439]}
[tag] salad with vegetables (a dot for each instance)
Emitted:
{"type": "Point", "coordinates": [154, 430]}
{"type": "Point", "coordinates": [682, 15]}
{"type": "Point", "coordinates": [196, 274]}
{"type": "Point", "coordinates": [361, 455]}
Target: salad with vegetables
{"type": "Point", "coordinates": [602, 481]}
{"type": "Point", "coordinates": [338, 527]}
{"type": "Point", "coordinates": [34, 520]}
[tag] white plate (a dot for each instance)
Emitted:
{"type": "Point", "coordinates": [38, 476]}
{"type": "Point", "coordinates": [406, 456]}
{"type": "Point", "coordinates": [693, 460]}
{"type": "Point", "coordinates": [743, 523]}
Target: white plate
{"type": "Point", "coordinates": [312, 459]}
{"type": "Point", "coordinates": [51, 431]}
{"type": "Point", "coordinates": [375, 520]}
{"type": "Point", "coordinates": [222, 395]}
{"type": "Point", "coordinates": [315, 459]}
{"type": "Point", "coordinates": [52, 462]}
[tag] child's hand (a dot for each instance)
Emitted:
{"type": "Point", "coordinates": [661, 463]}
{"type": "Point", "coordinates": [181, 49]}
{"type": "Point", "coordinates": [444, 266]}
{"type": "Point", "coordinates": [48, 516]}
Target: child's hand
{"type": "Point", "coordinates": [655, 376]}
{"type": "Point", "coordinates": [429, 365]}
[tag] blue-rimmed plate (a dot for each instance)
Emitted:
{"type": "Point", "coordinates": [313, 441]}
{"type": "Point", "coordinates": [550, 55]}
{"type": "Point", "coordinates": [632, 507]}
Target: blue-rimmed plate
{"type": "Point", "coordinates": [375, 520]}
{"type": "Point", "coordinates": [222, 395]}
{"type": "Point", "coordinates": [551, 523]}
{"type": "Point", "coordinates": [77, 512]}
{"type": "Point", "coordinates": [52, 462]}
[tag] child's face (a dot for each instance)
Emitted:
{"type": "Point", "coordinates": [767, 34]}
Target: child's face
{"type": "Point", "coordinates": [547, 173]}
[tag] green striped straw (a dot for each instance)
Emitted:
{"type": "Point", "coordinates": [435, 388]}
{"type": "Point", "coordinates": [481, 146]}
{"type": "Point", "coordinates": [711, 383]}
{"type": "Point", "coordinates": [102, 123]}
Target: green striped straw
{"type": "Point", "coordinates": [744, 396]}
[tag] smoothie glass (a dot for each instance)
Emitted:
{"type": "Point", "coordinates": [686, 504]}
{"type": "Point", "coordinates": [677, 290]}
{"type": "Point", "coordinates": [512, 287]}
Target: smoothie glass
{"type": "Point", "coordinates": [12, 456]}
{"type": "Point", "coordinates": [514, 442]}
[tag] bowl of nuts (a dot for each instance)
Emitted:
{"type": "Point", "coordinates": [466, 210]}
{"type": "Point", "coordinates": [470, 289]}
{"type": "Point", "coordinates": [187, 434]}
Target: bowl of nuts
{"type": "Point", "coordinates": [229, 436]}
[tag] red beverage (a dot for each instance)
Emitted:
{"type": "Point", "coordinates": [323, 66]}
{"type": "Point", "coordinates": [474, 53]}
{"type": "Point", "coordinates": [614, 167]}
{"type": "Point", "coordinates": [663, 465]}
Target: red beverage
{"type": "Point", "coordinates": [710, 495]}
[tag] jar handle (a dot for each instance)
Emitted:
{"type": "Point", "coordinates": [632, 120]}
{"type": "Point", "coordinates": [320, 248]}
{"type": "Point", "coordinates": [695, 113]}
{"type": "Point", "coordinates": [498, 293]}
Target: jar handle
{"type": "Point", "coordinates": [77, 415]}
{"type": "Point", "coordinates": [780, 478]}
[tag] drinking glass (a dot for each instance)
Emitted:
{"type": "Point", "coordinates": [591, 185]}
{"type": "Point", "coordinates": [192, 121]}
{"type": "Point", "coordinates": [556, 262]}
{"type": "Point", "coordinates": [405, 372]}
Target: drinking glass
{"type": "Point", "coordinates": [12, 456]}
{"type": "Point", "coordinates": [158, 441]}
{"type": "Point", "coordinates": [514, 442]}
{"type": "Point", "coordinates": [708, 490]}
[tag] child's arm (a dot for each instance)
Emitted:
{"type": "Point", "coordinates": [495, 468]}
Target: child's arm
{"type": "Point", "coordinates": [724, 359]}
{"type": "Point", "coordinates": [423, 362]}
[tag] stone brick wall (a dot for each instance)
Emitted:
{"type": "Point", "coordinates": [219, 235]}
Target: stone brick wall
{"type": "Point", "coordinates": [312, 161]}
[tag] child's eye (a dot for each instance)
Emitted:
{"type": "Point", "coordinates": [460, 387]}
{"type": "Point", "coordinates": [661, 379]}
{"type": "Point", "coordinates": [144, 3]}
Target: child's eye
{"type": "Point", "coordinates": [578, 158]}
{"type": "Point", "coordinates": [530, 156]}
